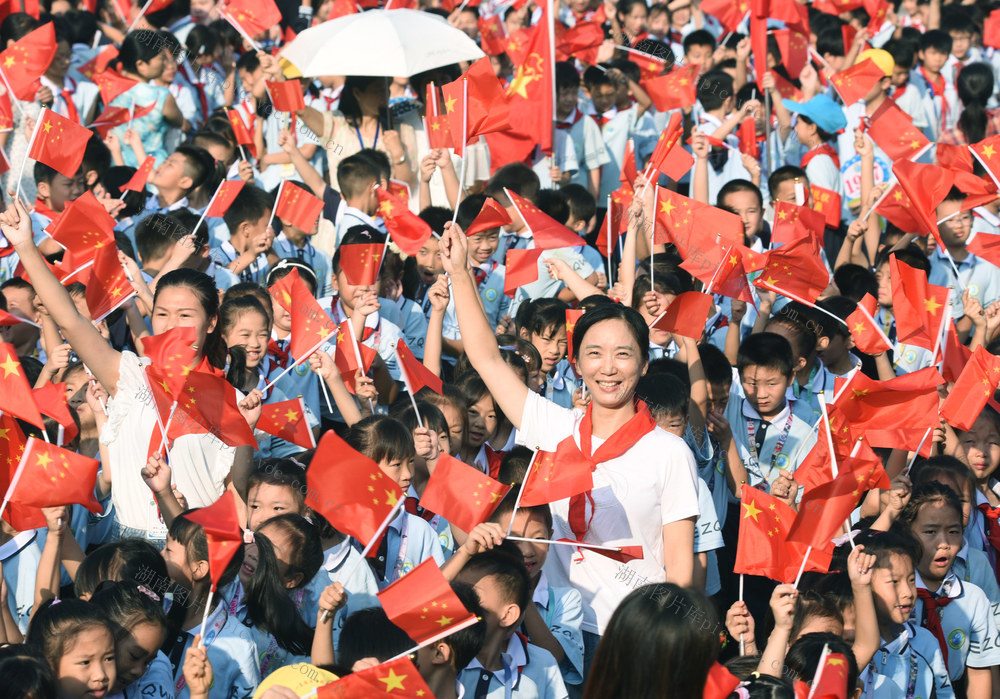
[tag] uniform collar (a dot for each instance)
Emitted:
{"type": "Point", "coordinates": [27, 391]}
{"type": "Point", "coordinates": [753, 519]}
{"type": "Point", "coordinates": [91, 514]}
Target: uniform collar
{"type": "Point", "coordinates": [335, 556]}
{"type": "Point", "coordinates": [541, 596]}
{"type": "Point", "coordinates": [17, 544]}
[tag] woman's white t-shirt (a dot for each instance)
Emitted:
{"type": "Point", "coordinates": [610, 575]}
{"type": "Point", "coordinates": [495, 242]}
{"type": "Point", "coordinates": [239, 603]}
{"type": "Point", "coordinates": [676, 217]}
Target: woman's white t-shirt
{"type": "Point", "coordinates": [652, 484]}
{"type": "Point", "coordinates": [199, 463]}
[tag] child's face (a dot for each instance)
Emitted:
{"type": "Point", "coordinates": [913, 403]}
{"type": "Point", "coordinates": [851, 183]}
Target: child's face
{"type": "Point", "coordinates": [482, 245]}
{"type": "Point", "coordinates": [429, 263]}
{"type": "Point", "coordinates": [960, 43]}
{"type": "Point", "coordinates": [933, 60]}
{"type": "Point", "coordinates": [659, 24]}
{"type": "Point", "coordinates": [202, 10]}
{"type": "Point", "coordinates": [765, 389]}
{"type": "Point", "coordinates": [87, 668]}
{"type": "Point", "coordinates": [603, 97]}
{"type": "Point", "coordinates": [938, 528]}
{"type": "Point", "coordinates": [178, 569]}
{"type": "Point", "coordinates": [680, 16]}
{"type": "Point", "coordinates": [982, 448]}
{"type": "Point", "coordinates": [60, 62]}
{"type": "Point", "coordinates": [62, 190]}
{"type": "Point", "coordinates": [900, 75]}
{"type": "Point", "coordinates": [566, 101]}
{"type": "Point", "coordinates": [955, 231]}
{"type": "Point", "coordinates": [456, 427]}
{"type": "Point", "coordinates": [482, 421]}
{"type": "Point", "coordinates": [530, 526]}
{"type": "Point", "coordinates": [135, 651]}
{"type": "Point", "coordinates": [635, 21]}
{"type": "Point", "coordinates": [399, 470]}
{"type": "Point", "coordinates": [884, 281]}
{"type": "Point", "coordinates": [170, 173]}
{"type": "Point", "coordinates": [837, 348]}
{"type": "Point", "coordinates": [699, 56]}
{"type": "Point", "coordinates": [169, 68]}
{"type": "Point", "coordinates": [895, 590]}
{"type": "Point", "coordinates": [785, 191]}
{"type": "Point", "coordinates": [349, 294]}
{"type": "Point", "coordinates": [674, 423]}
{"type": "Point", "coordinates": [551, 345]}
{"type": "Point", "coordinates": [282, 318]}
{"type": "Point", "coordinates": [267, 500]}
{"type": "Point", "coordinates": [718, 396]}
{"type": "Point", "coordinates": [251, 331]}
{"type": "Point", "coordinates": [284, 552]}
{"type": "Point", "coordinates": [747, 207]}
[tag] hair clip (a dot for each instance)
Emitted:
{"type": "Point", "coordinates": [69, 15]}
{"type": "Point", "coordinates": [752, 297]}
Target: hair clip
{"type": "Point", "coordinates": [510, 348]}
{"type": "Point", "coordinates": [55, 601]}
{"type": "Point", "coordinates": [247, 536]}
{"type": "Point", "coordinates": [149, 593]}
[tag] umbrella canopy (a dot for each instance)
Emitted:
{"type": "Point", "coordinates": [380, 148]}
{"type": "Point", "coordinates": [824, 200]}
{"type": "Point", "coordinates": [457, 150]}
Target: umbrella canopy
{"type": "Point", "coordinates": [396, 43]}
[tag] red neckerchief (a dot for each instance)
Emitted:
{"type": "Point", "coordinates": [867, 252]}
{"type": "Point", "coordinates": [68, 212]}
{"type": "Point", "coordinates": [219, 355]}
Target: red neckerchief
{"type": "Point", "coordinates": [938, 90]}
{"type": "Point", "coordinates": [279, 355]}
{"type": "Point", "coordinates": [617, 444]}
{"type": "Point", "coordinates": [493, 461]}
{"type": "Point", "coordinates": [574, 117]}
{"type": "Point", "coordinates": [825, 149]}
{"type": "Point", "coordinates": [933, 619]}
{"type": "Point", "coordinates": [42, 208]}
{"type": "Point", "coordinates": [899, 90]}
{"type": "Point", "coordinates": [991, 515]}
{"type": "Point", "coordinates": [197, 85]}
{"type": "Point", "coordinates": [71, 113]}
{"type": "Point", "coordinates": [410, 504]}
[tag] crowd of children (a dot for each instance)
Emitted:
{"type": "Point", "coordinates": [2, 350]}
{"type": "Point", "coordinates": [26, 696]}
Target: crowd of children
{"type": "Point", "coordinates": [763, 217]}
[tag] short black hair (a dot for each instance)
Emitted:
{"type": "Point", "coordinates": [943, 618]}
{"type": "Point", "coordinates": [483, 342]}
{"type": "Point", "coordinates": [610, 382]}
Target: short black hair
{"type": "Point", "coordinates": [566, 75]}
{"type": "Point", "coordinates": [506, 565]}
{"type": "Point", "coordinates": [154, 236]}
{"type": "Point", "coordinates": [198, 165]}
{"type": "Point", "coordinates": [854, 281]}
{"type": "Point", "coordinates": [595, 77]}
{"type": "Point", "coordinates": [699, 37]}
{"type": "Point", "coordinates": [910, 255]}
{"type": "Point", "coordinates": [509, 506]}
{"type": "Point", "coordinates": [663, 393]}
{"type": "Point", "coordinates": [96, 156]}
{"type": "Point", "coordinates": [553, 204]}
{"type": "Point", "coordinates": [355, 173]}
{"type": "Point", "coordinates": [901, 51]}
{"type": "Point", "coordinates": [469, 208]}
{"type": "Point", "coordinates": [537, 316]}
{"type": "Point", "coordinates": [251, 204]}
{"type": "Point", "coordinates": [380, 160]}
{"type": "Point", "coordinates": [936, 39]}
{"type": "Point", "coordinates": [43, 173]}
{"type": "Point", "coordinates": [582, 205]}
{"type": "Point", "coordinates": [436, 217]}
{"type": "Point", "coordinates": [786, 173]}
{"type": "Point", "coordinates": [518, 178]}
{"type": "Point", "coordinates": [466, 643]}
{"type": "Point", "coordinates": [368, 633]}
{"type": "Point", "coordinates": [840, 306]}
{"type": "Point", "coordinates": [356, 234]}
{"type": "Point", "coordinates": [830, 41]}
{"type": "Point", "coordinates": [714, 88]}
{"type": "Point", "coordinates": [514, 465]}
{"type": "Point", "coordinates": [739, 186]}
{"type": "Point", "coordinates": [715, 365]}
{"type": "Point", "coordinates": [767, 350]}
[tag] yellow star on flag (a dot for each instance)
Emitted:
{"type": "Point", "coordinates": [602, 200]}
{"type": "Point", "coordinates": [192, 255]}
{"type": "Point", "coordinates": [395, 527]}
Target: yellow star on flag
{"type": "Point", "coordinates": [393, 681]}
{"type": "Point", "coordinates": [750, 510]}
{"type": "Point", "coordinates": [989, 151]}
{"type": "Point", "coordinates": [10, 366]}
{"type": "Point", "coordinates": [932, 305]}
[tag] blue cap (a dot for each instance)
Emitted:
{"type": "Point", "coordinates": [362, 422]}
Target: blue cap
{"type": "Point", "coordinates": [822, 111]}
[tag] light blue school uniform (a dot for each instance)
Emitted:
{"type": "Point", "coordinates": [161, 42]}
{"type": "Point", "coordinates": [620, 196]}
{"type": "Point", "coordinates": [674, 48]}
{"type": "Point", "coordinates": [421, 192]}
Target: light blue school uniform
{"type": "Point", "coordinates": [912, 659]}
{"type": "Point", "coordinates": [409, 542]}
{"type": "Point", "coordinates": [300, 381]}
{"type": "Point", "coordinates": [491, 290]}
{"type": "Point", "coordinates": [39, 222]}
{"type": "Point", "coordinates": [319, 260]}
{"type": "Point", "coordinates": [382, 334]}
{"type": "Point", "coordinates": [905, 358]}
{"type": "Point", "coordinates": [8, 264]}
{"type": "Point", "coordinates": [411, 319]}
{"type": "Point", "coordinates": [20, 558]}
{"type": "Point", "coordinates": [975, 275]}
{"type": "Point", "coordinates": [528, 671]}
{"type": "Point", "coordinates": [708, 537]}
{"type": "Point", "coordinates": [157, 681]}
{"type": "Point", "coordinates": [562, 610]}
{"type": "Point", "coordinates": [439, 524]}
{"type": "Point", "coordinates": [560, 384]}
{"type": "Point", "coordinates": [616, 132]}
{"type": "Point", "coordinates": [256, 271]}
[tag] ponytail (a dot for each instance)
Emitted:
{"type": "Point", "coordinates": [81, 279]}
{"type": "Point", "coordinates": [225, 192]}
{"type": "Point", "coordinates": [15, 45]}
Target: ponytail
{"type": "Point", "coordinates": [975, 86]}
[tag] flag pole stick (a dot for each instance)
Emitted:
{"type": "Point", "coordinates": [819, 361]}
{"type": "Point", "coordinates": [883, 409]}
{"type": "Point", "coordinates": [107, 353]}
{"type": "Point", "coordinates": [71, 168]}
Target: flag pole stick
{"type": "Point", "coordinates": [793, 297]}
{"type": "Point", "coordinates": [743, 647]}
{"type": "Point", "coordinates": [520, 492]}
{"type": "Point", "coordinates": [27, 153]}
{"type": "Point", "coordinates": [326, 394]}
{"type": "Point", "coordinates": [819, 671]}
{"type": "Point", "coordinates": [207, 208]}
{"type": "Point", "coordinates": [652, 237]}
{"type": "Point", "coordinates": [829, 436]}
{"type": "Point", "coordinates": [465, 146]}
{"type": "Point", "coordinates": [131, 115]}
{"type": "Point", "coordinates": [170, 416]}
{"type": "Point", "coordinates": [208, 608]}
{"type": "Point", "coordinates": [767, 130]}
{"type": "Point", "coordinates": [444, 634]}
{"type": "Point", "coordinates": [711, 282]}
{"type": "Point", "coordinates": [917, 452]}
{"type": "Point", "coordinates": [942, 328]}
{"type": "Point", "coordinates": [878, 329]}
{"type": "Point", "coordinates": [609, 216]}
{"type": "Point", "coordinates": [277, 198]}
{"type": "Point", "coordinates": [10, 91]}
{"type": "Point", "coordinates": [802, 567]}
{"type": "Point", "coordinates": [131, 26]}
{"type": "Point", "coordinates": [242, 31]}
{"type": "Point", "coordinates": [17, 477]}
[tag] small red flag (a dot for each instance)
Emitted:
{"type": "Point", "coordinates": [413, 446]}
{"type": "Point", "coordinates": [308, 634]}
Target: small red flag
{"type": "Point", "coordinates": [532, 91]}
{"type": "Point", "coordinates": [615, 218]}
{"type": "Point", "coordinates": [987, 151]}
{"type": "Point", "coordinates": [545, 230]}
{"type": "Point", "coordinates": [360, 262]}
{"type": "Point", "coordinates": [311, 326]}
{"type": "Point", "coordinates": [830, 680]}
{"type": "Point", "coordinates": [572, 316]}
{"type": "Point", "coordinates": [50, 476]}
{"type": "Point", "coordinates": [522, 269]}
{"type": "Point", "coordinates": [898, 210]}
{"type": "Point", "coordinates": [868, 336]}
{"type": "Point", "coordinates": [210, 405]}
{"type": "Point", "coordinates": [676, 89]}
{"type": "Point", "coordinates": [85, 227]}
{"type": "Point", "coordinates": [991, 30]}
{"type": "Point", "coordinates": [491, 216]}
{"type": "Point", "coordinates": [346, 356]}
{"type": "Point", "coordinates": [724, 274]}
{"type": "Point", "coordinates": [721, 682]}
{"type": "Point", "coordinates": [986, 246]}
{"type": "Point", "coordinates": [907, 402]}
{"type": "Point", "coordinates": [795, 270]}
{"type": "Point", "coordinates": [747, 133]}
{"type": "Point", "coordinates": [893, 131]}
{"type": "Point", "coordinates": [399, 677]}
{"type": "Point", "coordinates": [853, 83]}
{"type": "Point", "coordinates": [116, 116]}
{"type": "Point", "coordinates": [462, 494]}
{"type": "Point", "coordinates": [111, 83]}
{"type": "Point", "coordinates": [109, 286]}
{"type": "Point", "coordinates": [415, 375]}
{"type": "Point", "coordinates": [407, 230]}
{"type": "Point", "coordinates": [423, 604]}
{"type": "Point", "coordinates": [582, 41]}
{"type": "Point", "coordinates": [171, 354]}
{"type": "Point", "coordinates": [917, 306]}
{"type": "Point", "coordinates": [349, 489]}
{"type": "Point", "coordinates": [628, 172]}
{"type": "Point", "coordinates": [556, 475]}
{"type": "Point", "coordinates": [793, 45]}
{"type": "Point", "coordinates": [824, 509]}
{"type": "Point", "coordinates": [59, 143]}
{"type": "Point", "coordinates": [223, 198]}
{"type": "Point", "coordinates": [730, 13]}
{"type": "Point", "coordinates": [286, 96]}
{"type": "Point", "coordinates": [492, 35]}
{"type": "Point", "coordinates": [956, 355]}
{"type": "Point", "coordinates": [975, 386]}
{"type": "Point", "coordinates": [138, 181]}
{"type": "Point", "coordinates": [686, 315]}
{"type": "Point", "coordinates": [241, 131]}
{"type": "Point", "coordinates": [287, 420]}
{"type": "Point", "coordinates": [828, 203]}
{"type": "Point", "coordinates": [437, 126]}
{"type": "Point", "coordinates": [487, 109]}
{"type": "Point", "coordinates": [669, 156]}
{"type": "Point", "coordinates": [27, 59]}
{"type": "Point", "coordinates": [298, 206]}
{"type": "Point", "coordinates": [254, 16]}
{"type": "Point", "coordinates": [792, 222]}
{"type": "Point", "coordinates": [222, 529]}
{"type": "Point", "coordinates": [99, 62]}
{"type": "Point", "coordinates": [51, 400]}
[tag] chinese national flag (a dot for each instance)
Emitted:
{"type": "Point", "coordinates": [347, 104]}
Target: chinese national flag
{"type": "Point", "coordinates": [669, 156]}
{"type": "Point", "coordinates": [723, 273]}
{"type": "Point", "coordinates": [437, 126]}
{"type": "Point", "coordinates": [792, 222]}
{"type": "Point", "coordinates": [917, 306]}
{"type": "Point", "coordinates": [824, 509]}
{"type": "Point", "coordinates": [99, 62]}
{"type": "Point", "coordinates": [956, 355]}
{"type": "Point", "coordinates": [311, 326]}
{"type": "Point", "coordinates": [987, 151]}
{"type": "Point", "coordinates": [408, 231]}
{"type": "Point", "coordinates": [415, 374]}
{"type": "Point", "coordinates": [224, 197]}
{"type": "Point", "coordinates": [674, 90]}
{"type": "Point", "coordinates": [686, 315]}
{"type": "Point", "coordinates": [897, 209]}
{"type": "Point", "coordinates": [137, 182]}
{"type": "Point", "coordinates": [241, 131]}
{"type": "Point", "coordinates": [836, 7]}
{"type": "Point", "coordinates": [171, 354]}
{"type": "Point", "coordinates": [557, 475]}
{"type": "Point", "coordinates": [116, 116]}
{"type": "Point", "coordinates": [12, 446]}
{"type": "Point", "coordinates": [615, 218]}
{"type": "Point", "coordinates": [298, 207]}
{"type": "Point", "coordinates": [795, 270]}
{"type": "Point", "coordinates": [360, 262]}
{"type": "Point", "coordinates": [222, 529]}
{"type": "Point", "coordinates": [581, 41]}
{"type": "Point", "coordinates": [893, 131]}
{"type": "Point", "coordinates": [486, 111]}
{"type": "Point", "coordinates": [877, 10]}
{"type": "Point", "coordinates": [50, 476]}
{"type": "Point", "coordinates": [522, 268]}
{"type": "Point", "coordinates": [786, 89]}
{"type": "Point", "coordinates": [991, 30]}
{"type": "Point", "coordinates": [827, 203]}
{"type": "Point", "coordinates": [673, 220]}
{"type": "Point", "coordinates": [758, 44]}
{"type": "Point", "coordinates": [830, 680]}
{"type": "Point", "coordinates": [532, 91]}
{"type": "Point", "coordinates": [462, 494]}
{"type": "Point", "coordinates": [573, 316]}
{"type": "Point", "coordinates": [6, 122]}
{"type": "Point", "coordinates": [650, 66]}
{"type": "Point", "coordinates": [346, 358]}
{"type": "Point", "coordinates": [545, 230]}
{"type": "Point", "coordinates": [907, 402]}
{"type": "Point", "coordinates": [59, 143]}
{"type": "Point", "coordinates": [491, 216]}
{"type": "Point", "coordinates": [986, 246]}
{"type": "Point", "coordinates": [628, 172]}
{"type": "Point", "coordinates": [747, 133]}
{"type": "Point", "coordinates": [286, 96]}
{"type": "Point", "coordinates": [975, 386]}
{"type": "Point", "coordinates": [287, 420]}
{"type": "Point", "coordinates": [109, 286]}
{"type": "Point", "coordinates": [730, 13]}
{"type": "Point", "coordinates": [85, 227]}
{"type": "Point", "coordinates": [111, 83]}
{"type": "Point", "coordinates": [868, 336]}
{"type": "Point", "coordinates": [210, 405]}
{"type": "Point", "coordinates": [51, 401]}
{"type": "Point", "coordinates": [492, 35]}
{"type": "Point", "coordinates": [27, 59]}
{"type": "Point", "coordinates": [764, 548]}
{"type": "Point", "coordinates": [516, 45]}
{"type": "Point", "coordinates": [255, 16]}
{"type": "Point", "coordinates": [794, 47]}
{"type": "Point", "coordinates": [852, 84]}
{"type": "Point", "coordinates": [400, 678]}
{"type": "Point", "coordinates": [349, 489]}
{"type": "Point", "coordinates": [423, 604]}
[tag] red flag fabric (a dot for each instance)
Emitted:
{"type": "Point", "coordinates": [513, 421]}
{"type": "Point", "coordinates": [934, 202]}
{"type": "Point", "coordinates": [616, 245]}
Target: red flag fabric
{"type": "Point", "coordinates": [975, 386]}
{"type": "Point", "coordinates": [686, 315]}
{"type": "Point", "coordinates": [675, 90]}
{"type": "Point", "coordinates": [423, 604]}
{"type": "Point", "coordinates": [987, 150]}
{"type": "Point", "coordinates": [349, 489]}
{"type": "Point", "coordinates": [758, 45]}
{"type": "Point", "coordinates": [730, 13]}
{"type": "Point", "coordinates": [828, 203]}
{"type": "Point", "coordinates": [722, 272]}
{"type": "Point", "coordinates": [836, 7]}
{"type": "Point", "coordinates": [898, 210]}
{"type": "Point", "coordinates": [99, 62]}
{"type": "Point", "coordinates": [532, 91]}
{"type": "Point", "coordinates": [311, 326]}
{"type": "Point", "coordinates": [721, 682]}
{"type": "Point", "coordinates": [893, 131]}
{"type": "Point", "coordinates": [85, 227]}
{"type": "Point", "coordinates": [27, 59]}
{"type": "Point", "coordinates": [286, 96]}
{"type": "Point", "coordinates": [522, 268]}
{"type": "Point", "coordinates": [12, 446]}
{"type": "Point", "coordinates": [907, 402]}
{"type": "Point", "coordinates": [545, 230]}
{"type": "Point", "coordinates": [255, 16]}
{"type": "Point", "coordinates": [224, 197]}
{"type": "Point", "coordinates": [360, 262]}
{"type": "Point", "coordinates": [991, 30]}
{"type": "Point", "coordinates": [956, 355]}
{"type": "Point", "coordinates": [917, 306]}
{"type": "Point", "coordinates": [50, 476]}
{"type": "Point", "coordinates": [764, 548]}
{"type": "Point", "coordinates": [747, 133]}
{"type": "Point", "coordinates": [59, 143]}
{"type": "Point", "coordinates": [287, 420]}
{"type": "Point", "coordinates": [650, 66]}
{"type": "Point", "coordinates": [615, 218]}
{"type": "Point", "coordinates": [297, 206]}
{"type": "Point", "coordinates": [795, 269]}
{"type": "Point", "coordinates": [792, 222]}
{"type": "Point", "coordinates": [346, 358]}
{"type": "Point", "coordinates": [399, 677]}
{"type": "Point", "coordinates": [51, 400]}
{"type": "Point", "coordinates": [208, 404]}
{"type": "Point", "coordinates": [572, 317]}
{"type": "Point", "coordinates": [241, 131]}
{"type": "Point", "coordinates": [491, 216]}
{"type": "Point", "coordinates": [926, 186]}
{"type": "Point", "coordinates": [222, 529]}
{"type": "Point", "coordinates": [877, 11]}
{"type": "Point", "coordinates": [986, 246]}
{"type": "Point", "coordinates": [111, 84]}
{"type": "Point", "coordinates": [487, 109]}
{"type": "Point", "coordinates": [437, 125]}
{"type": "Point", "coordinates": [415, 375]}
{"type": "Point", "coordinates": [407, 230]}
{"type": "Point", "coordinates": [830, 680]}
{"type": "Point", "coordinates": [462, 494]}
{"type": "Point", "coordinates": [669, 156]}
{"type": "Point", "coordinates": [556, 475]}
{"type": "Point", "coordinates": [868, 336]}
{"type": "Point", "coordinates": [137, 182]}
{"type": "Point", "coordinates": [794, 47]}
{"type": "Point", "coordinates": [492, 35]}
{"type": "Point", "coordinates": [957, 158]}
{"type": "Point", "coordinates": [109, 286]}
{"type": "Point", "coordinates": [853, 83]}
{"type": "Point", "coordinates": [116, 116]}
{"type": "Point", "coordinates": [824, 509]}
{"type": "Point", "coordinates": [171, 356]}
{"type": "Point", "coordinates": [628, 172]}
{"type": "Point", "coordinates": [581, 41]}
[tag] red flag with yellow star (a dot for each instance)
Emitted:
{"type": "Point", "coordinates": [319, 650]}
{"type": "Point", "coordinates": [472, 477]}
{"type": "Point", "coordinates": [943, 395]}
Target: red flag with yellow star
{"type": "Point", "coordinates": [853, 83]}
{"type": "Point", "coordinates": [224, 197]}
{"type": "Point", "coordinates": [686, 315]}
{"type": "Point", "coordinates": [286, 96]}
{"type": "Point", "coordinates": [59, 143]}
{"type": "Point", "coordinates": [50, 476]}
{"type": "Point", "coordinates": [397, 678]}
{"type": "Point", "coordinates": [792, 222]}
{"type": "Point", "coordinates": [896, 208]}
{"type": "Point", "coordinates": [311, 326]}
{"type": "Point", "coordinates": [826, 202]}
{"type": "Point", "coordinates": [918, 306]}
{"type": "Point", "coordinates": [436, 122]}
{"type": "Point", "coordinates": [111, 83]}
{"type": "Point", "coordinates": [15, 393]}
{"type": "Point", "coordinates": [109, 286]}
{"type": "Point", "coordinates": [722, 272]}
{"type": "Point", "coordinates": [12, 445]}
{"type": "Point", "coordinates": [582, 41]}
{"type": "Point", "coordinates": [223, 531]}
{"type": "Point", "coordinates": [987, 152]}
{"type": "Point", "coordinates": [975, 386]}
{"type": "Point", "coordinates": [572, 316]}
{"type": "Point", "coordinates": [85, 227]}
{"type": "Point", "coordinates": [462, 494]}
{"type": "Point", "coordinates": [868, 336]}
{"type": "Point", "coordinates": [676, 89]}
{"type": "Point", "coordinates": [545, 230]}
{"type": "Point", "coordinates": [51, 400]}
{"type": "Point", "coordinates": [206, 405]}
{"type": "Point", "coordinates": [986, 246]}
{"type": "Point", "coordinates": [893, 131]}
{"type": "Point", "coordinates": [171, 354]}
{"type": "Point", "coordinates": [795, 270]}
{"type": "Point", "coordinates": [137, 182]}
{"type": "Point", "coordinates": [298, 206]}
{"type": "Point", "coordinates": [830, 680]}
{"type": "Point", "coordinates": [476, 105]}
{"type": "Point", "coordinates": [907, 402]}
{"type": "Point", "coordinates": [423, 604]}
{"type": "Point", "coordinates": [349, 489]}
{"type": "Point", "coordinates": [531, 93]}
{"type": "Point", "coordinates": [491, 216]}
{"type": "Point", "coordinates": [763, 547]}
{"type": "Point", "coordinates": [730, 13]}
{"type": "Point", "coordinates": [669, 156]}
{"type": "Point", "coordinates": [926, 186]}
{"type": "Point", "coordinates": [408, 231]}
{"type": "Point", "coordinates": [415, 375]}
{"type": "Point", "coordinates": [522, 268]}
{"type": "Point", "coordinates": [824, 509]}
{"type": "Point", "coordinates": [241, 131]}
{"type": "Point", "coordinates": [556, 475]}
{"type": "Point", "coordinates": [492, 35]}
{"type": "Point", "coordinates": [254, 16]}
{"type": "Point", "coordinates": [27, 59]}
{"type": "Point", "coordinates": [287, 420]}
{"type": "Point", "coordinates": [360, 262]}
{"type": "Point", "coordinates": [99, 62]}
{"type": "Point", "coordinates": [116, 116]}
{"type": "Point", "coordinates": [347, 355]}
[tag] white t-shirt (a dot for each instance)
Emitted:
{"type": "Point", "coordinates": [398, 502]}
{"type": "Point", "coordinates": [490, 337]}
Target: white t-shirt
{"type": "Point", "coordinates": [652, 484]}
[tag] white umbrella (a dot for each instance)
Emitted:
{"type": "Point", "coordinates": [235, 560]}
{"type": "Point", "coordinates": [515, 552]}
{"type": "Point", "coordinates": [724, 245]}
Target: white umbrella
{"type": "Point", "coordinates": [396, 43]}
